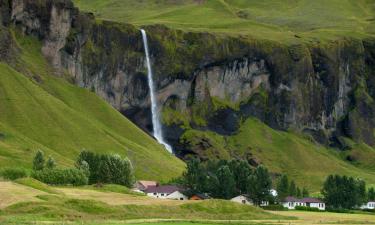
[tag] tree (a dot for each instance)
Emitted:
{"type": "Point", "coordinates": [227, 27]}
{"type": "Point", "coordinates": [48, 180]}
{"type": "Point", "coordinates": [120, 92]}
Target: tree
{"type": "Point", "coordinates": [195, 177]}
{"type": "Point", "coordinates": [283, 187]}
{"type": "Point", "coordinates": [299, 193]}
{"type": "Point", "coordinates": [371, 194]}
{"type": "Point", "coordinates": [241, 170]}
{"type": "Point", "coordinates": [292, 189]}
{"type": "Point", "coordinates": [38, 162]}
{"type": "Point", "coordinates": [94, 161]}
{"type": "Point", "coordinates": [343, 192]}
{"type": "Point", "coordinates": [84, 167]}
{"type": "Point", "coordinates": [260, 184]}
{"type": "Point", "coordinates": [226, 185]}
{"type": "Point", "coordinates": [51, 164]}
{"type": "Point", "coordinates": [305, 192]}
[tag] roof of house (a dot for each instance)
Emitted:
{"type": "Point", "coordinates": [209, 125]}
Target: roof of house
{"type": "Point", "coordinates": [303, 200]}
{"type": "Point", "coordinates": [168, 189]}
{"type": "Point", "coordinates": [202, 196]}
{"type": "Point", "coordinates": [147, 183]}
{"type": "Point", "coordinates": [290, 199]}
{"type": "Point", "coordinates": [310, 200]}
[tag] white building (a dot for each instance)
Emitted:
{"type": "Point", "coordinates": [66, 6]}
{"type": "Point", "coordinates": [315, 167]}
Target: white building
{"type": "Point", "coordinates": [243, 199]}
{"type": "Point", "coordinates": [165, 192]}
{"type": "Point", "coordinates": [292, 203]}
{"type": "Point", "coordinates": [177, 195]}
{"type": "Point", "coordinates": [369, 205]}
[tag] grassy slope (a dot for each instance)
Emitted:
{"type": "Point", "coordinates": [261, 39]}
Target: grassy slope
{"type": "Point", "coordinates": [278, 20]}
{"type": "Point", "coordinates": [57, 207]}
{"type": "Point", "coordinates": [297, 156]}
{"type": "Point", "coordinates": [62, 119]}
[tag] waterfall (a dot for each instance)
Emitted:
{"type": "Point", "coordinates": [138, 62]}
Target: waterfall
{"type": "Point", "coordinates": [157, 132]}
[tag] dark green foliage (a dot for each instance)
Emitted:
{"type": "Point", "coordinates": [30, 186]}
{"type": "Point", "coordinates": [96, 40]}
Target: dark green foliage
{"type": "Point", "coordinates": [13, 173]}
{"type": "Point", "coordinates": [73, 177]}
{"type": "Point", "coordinates": [260, 184]}
{"type": "Point", "coordinates": [344, 192]}
{"type": "Point", "coordinates": [106, 168]}
{"type": "Point", "coordinates": [371, 194]}
{"type": "Point", "coordinates": [38, 162]}
{"type": "Point", "coordinates": [299, 193]}
{"type": "Point", "coordinates": [305, 192]}
{"type": "Point", "coordinates": [292, 189]}
{"type": "Point", "coordinates": [221, 179]}
{"type": "Point", "coordinates": [305, 208]}
{"type": "Point", "coordinates": [226, 185]}
{"type": "Point", "coordinates": [51, 164]}
{"type": "Point", "coordinates": [283, 187]}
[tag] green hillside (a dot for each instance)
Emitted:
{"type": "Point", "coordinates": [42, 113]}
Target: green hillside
{"type": "Point", "coordinates": [50, 114]}
{"type": "Point", "coordinates": [280, 20]}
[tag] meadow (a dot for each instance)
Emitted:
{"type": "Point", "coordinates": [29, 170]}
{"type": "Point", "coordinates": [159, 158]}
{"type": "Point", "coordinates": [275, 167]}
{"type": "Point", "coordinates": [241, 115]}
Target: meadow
{"type": "Point", "coordinates": [287, 21]}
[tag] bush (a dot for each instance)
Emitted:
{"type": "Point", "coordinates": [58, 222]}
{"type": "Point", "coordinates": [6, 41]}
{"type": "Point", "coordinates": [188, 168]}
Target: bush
{"type": "Point", "coordinates": [306, 208]}
{"type": "Point", "coordinates": [369, 210]}
{"type": "Point", "coordinates": [274, 208]}
{"type": "Point", "coordinates": [73, 177]}
{"type": "Point", "coordinates": [338, 210]}
{"type": "Point", "coordinates": [13, 173]}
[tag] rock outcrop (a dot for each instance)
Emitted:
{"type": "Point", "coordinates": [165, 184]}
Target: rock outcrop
{"type": "Point", "coordinates": [206, 81]}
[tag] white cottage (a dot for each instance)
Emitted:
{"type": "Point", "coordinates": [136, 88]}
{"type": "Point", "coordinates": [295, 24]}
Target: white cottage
{"type": "Point", "coordinates": [242, 199]}
{"type": "Point", "coordinates": [166, 192]}
{"type": "Point", "coordinates": [369, 205]}
{"type": "Point", "coordinates": [292, 203]}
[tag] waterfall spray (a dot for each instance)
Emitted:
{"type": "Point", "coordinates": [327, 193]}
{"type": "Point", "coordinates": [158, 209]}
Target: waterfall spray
{"type": "Point", "coordinates": [157, 129]}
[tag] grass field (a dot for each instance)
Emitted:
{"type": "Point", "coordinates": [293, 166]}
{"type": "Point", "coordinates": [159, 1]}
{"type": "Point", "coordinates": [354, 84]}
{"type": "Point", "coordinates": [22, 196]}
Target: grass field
{"type": "Point", "coordinates": [50, 114]}
{"type": "Point", "coordinates": [67, 205]}
{"type": "Point", "coordinates": [279, 20]}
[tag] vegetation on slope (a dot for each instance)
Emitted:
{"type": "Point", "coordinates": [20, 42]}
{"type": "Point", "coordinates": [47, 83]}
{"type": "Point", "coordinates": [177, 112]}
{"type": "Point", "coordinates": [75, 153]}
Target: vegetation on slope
{"type": "Point", "coordinates": [280, 20]}
{"type": "Point", "coordinates": [40, 111]}
{"type": "Point", "coordinates": [305, 161]}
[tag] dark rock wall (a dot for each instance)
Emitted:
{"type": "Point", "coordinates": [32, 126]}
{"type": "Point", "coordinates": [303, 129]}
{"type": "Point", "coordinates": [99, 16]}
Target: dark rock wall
{"type": "Point", "coordinates": [209, 81]}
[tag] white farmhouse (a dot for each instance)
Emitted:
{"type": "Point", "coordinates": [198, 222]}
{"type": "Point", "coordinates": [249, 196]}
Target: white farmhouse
{"type": "Point", "coordinates": [242, 199]}
{"type": "Point", "coordinates": [292, 203]}
{"type": "Point", "coordinates": [166, 192]}
{"type": "Point", "coordinates": [369, 205]}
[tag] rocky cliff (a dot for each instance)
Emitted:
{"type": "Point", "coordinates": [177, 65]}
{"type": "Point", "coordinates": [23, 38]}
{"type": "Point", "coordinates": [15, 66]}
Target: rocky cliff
{"type": "Point", "coordinates": [206, 81]}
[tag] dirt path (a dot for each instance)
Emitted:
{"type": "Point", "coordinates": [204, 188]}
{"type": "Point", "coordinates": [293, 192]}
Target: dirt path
{"type": "Point", "coordinates": [11, 193]}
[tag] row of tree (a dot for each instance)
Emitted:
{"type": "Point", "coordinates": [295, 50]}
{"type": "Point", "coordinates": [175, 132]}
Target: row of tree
{"type": "Point", "coordinates": [90, 168]}
{"type": "Point", "coordinates": [227, 179]}
{"type": "Point", "coordinates": [287, 188]}
{"type": "Point", "coordinates": [346, 192]}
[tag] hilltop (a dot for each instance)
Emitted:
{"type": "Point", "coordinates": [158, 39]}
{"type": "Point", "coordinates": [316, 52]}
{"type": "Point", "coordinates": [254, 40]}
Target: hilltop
{"type": "Point", "coordinates": [290, 21]}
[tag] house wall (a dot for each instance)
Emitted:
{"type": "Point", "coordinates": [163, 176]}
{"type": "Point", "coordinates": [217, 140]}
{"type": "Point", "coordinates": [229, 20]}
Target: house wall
{"type": "Point", "coordinates": [321, 206]}
{"type": "Point", "coordinates": [241, 200]}
{"type": "Point", "coordinates": [158, 195]}
{"type": "Point", "coordinates": [369, 205]}
{"type": "Point", "coordinates": [177, 196]}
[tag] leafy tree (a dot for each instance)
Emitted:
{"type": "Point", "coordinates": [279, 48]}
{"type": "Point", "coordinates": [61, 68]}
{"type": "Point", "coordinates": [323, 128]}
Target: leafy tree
{"type": "Point", "coordinates": [241, 170]}
{"type": "Point", "coordinates": [51, 164]}
{"type": "Point", "coordinates": [259, 185]}
{"type": "Point", "coordinates": [84, 167]}
{"type": "Point", "coordinates": [226, 185]}
{"type": "Point", "coordinates": [299, 193]}
{"type": "Point", "coordinates": [292, 189]}
{"type": "Point", "coordinates": [194, 178]}
{"type": "Point", "coordinates": [305, 192]}
{"type": "Point", "coordinates": [283, 187]}
{"type": "Point", "coordinates": [38, 162]}
{"type": "Point", "coordinates": [94, 161]}
{"type": "Point", "coordinates": [371, 194]}
{"type": "Point", "coordinates": [343, 192]}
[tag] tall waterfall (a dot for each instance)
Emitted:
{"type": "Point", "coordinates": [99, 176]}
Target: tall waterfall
{"type": "Point", "coordinates": [157, 132]}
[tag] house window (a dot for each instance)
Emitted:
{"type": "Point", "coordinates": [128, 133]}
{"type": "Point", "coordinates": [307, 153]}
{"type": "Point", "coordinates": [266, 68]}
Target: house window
{"type": "Point", "coordinates": [243, 202]}
{"type": "Point", "coordinates": [162, 194]}
{"type": "Point", "coordinates": [154, 193]}
{"type": "Point", "coordinates": [181, 199]}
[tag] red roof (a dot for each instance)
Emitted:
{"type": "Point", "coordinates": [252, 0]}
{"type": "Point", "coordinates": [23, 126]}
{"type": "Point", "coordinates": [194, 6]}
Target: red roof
{"type": "Point", "coordinates": [168, 189]}
{"type": "Point", "coordinates": [290, 199]}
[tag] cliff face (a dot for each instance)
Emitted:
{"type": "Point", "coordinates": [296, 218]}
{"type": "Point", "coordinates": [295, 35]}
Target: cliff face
{"type": "Point", "coordinates": [209, 82]}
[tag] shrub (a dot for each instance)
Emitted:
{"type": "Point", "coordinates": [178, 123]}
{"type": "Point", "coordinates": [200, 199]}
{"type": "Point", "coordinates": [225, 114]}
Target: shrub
{"type": "Point", "coordinates": [338, 210]}
{"type": "Point", "coordinates": [73, 177]}
{"type": "Point", "coordinates": [13, 173]}
{"type": "Point", "coordinates": [274, 208]}
{"type": "Point", "coordinates": [369, 210]}
{"type": "Point", "coordinates": [306, 208]}
{"type": "Point", "coordinates": [38, 162]}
